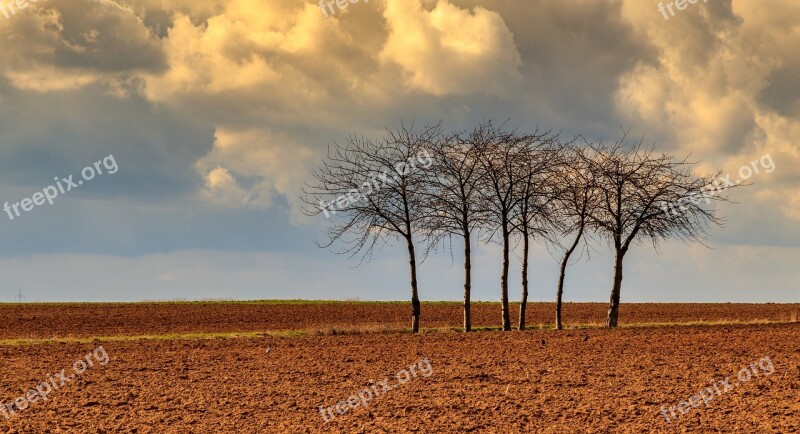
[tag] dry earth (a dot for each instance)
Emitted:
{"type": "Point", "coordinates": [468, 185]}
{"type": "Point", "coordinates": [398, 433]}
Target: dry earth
{"type": "Point", "coordinates": [582, 380]}
{"type": "Point", "coordinates": [82, 320]}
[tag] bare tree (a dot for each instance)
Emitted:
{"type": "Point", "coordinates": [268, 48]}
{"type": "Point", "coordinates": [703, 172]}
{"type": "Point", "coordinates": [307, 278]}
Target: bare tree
{"type": "Point", "coordinates": [634, 183]}
{"type": "Point", "coordinates": [373, 191]}
{"type": "Point", "coordinates": [452, 207]}
{"type": "Point", "coordinates": [500, 161]}
{"type": "Point", "coordinates": [535, 192]}
{"type": "Point", "coordinates": [577, 199]}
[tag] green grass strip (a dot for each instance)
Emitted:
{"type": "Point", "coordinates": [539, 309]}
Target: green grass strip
{"type": "Point", "coordinates": [358, 331]}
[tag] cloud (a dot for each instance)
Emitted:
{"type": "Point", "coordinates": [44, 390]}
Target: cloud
{"type": "Point", "coordinates": [272, 163]}
{"type": "Point", "coordinates": [238, 60]}
{"type": "Point", "coordinates": [222, 189]}
{"type": "Point", "coordinates": [440, 56]}
{"type": "Point", "coordinates": [713, 89]}
{"type": "Point", "coordinates": [60, 45]}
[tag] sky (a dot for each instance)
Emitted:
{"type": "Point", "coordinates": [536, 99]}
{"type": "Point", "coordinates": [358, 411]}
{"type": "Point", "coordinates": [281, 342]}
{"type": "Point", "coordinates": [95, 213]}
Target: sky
{"type": "Point", "coordinates": [192, 125]}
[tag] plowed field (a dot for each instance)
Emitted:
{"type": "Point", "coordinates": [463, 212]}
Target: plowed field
{"type": "Point", "coordinates": [86, 320]}
{"type": "Point", "coordinates": [573, 381]}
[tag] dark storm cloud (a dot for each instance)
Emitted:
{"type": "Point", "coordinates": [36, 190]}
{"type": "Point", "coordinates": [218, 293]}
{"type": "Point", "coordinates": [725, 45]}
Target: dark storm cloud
{"type": "Point", "coordinates": [47, 135]}
{"type": "Point", "coordinates": [84, 35]}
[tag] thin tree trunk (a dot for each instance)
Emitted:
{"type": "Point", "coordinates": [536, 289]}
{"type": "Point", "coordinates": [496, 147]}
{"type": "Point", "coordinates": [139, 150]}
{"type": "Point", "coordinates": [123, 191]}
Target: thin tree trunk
{"type": "Point", "coordinates": [415, 308]}
{"type": "Point", "coordinates": [504, 277]}
{"type": "Point", "coordinates": [467, 281]}
{"type": "Point", "coordinates": [560, 292]}
{"type": "Point", "coordinates": [613, 308]}
{"type": "Point", "coordinates": [523, 305]}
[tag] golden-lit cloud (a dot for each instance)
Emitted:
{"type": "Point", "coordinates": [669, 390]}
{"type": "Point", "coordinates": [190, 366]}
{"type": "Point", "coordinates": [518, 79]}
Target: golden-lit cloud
{"type": "Point", "coordinates": [708, 91]}
{"type": "Point", "coordinates": [201, 61]}
{"type": "Point", "coordinates": [449, 50]}
{"type": "Point", "coordinates": [265, 160]}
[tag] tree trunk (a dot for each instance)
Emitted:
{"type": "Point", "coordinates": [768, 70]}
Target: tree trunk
{"type": "Point", "coordinates": [560, 292]}
{"type": "Point", "coordinates": [562, 275]}
{"type": "Point", "coordinates": [414, 294]}
{"type": "Point", "coordinates": [523, 305]}
{"type": "Point", "coordinates": [613, 308]}
{"type": "Point", "coordinates": [467, 281]}
{"type": "Point", "coordinates": [504, 277]}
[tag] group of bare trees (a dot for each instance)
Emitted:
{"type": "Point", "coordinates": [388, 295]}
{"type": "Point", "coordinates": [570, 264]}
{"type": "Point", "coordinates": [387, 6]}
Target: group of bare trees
{"type": "Point", "coordinates": [494, 184]}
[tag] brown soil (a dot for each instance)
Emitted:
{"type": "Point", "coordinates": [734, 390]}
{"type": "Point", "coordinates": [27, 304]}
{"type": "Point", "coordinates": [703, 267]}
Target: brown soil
{"type": "Point", "coordinates": [575, 381]}
{"type": "Point", "coordinates": [89, 320]}
{"type": "Point", "coordinates": [588, 380]}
